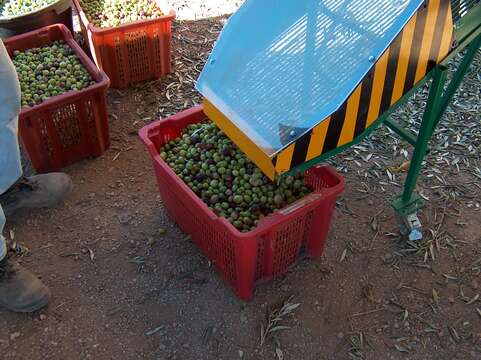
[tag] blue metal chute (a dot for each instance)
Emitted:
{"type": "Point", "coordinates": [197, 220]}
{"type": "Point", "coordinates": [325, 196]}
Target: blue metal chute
{"type": "Point", "coordinates": [282, 66]}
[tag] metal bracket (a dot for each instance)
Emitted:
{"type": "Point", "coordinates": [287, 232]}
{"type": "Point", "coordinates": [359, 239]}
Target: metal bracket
{"type": "Point", "coordinates": [411, 226]}
{"type": "Point", "coordinates": [406, 208]}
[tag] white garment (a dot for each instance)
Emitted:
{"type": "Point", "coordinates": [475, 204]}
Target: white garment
{"type": "Point", "coordinates": [10, 166]}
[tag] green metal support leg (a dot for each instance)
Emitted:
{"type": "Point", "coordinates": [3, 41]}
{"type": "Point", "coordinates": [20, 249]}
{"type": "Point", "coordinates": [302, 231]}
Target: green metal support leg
{"type": "Point", "coordinates": [409, 202]}
{"type": "Point", "coordinates": [430, 119]}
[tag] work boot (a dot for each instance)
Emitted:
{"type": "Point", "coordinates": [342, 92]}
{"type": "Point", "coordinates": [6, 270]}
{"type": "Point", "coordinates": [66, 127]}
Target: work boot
{"type": "Point", "coordinates": [35, 192]}
{"type": "Point", "coordinates": [20, 290]}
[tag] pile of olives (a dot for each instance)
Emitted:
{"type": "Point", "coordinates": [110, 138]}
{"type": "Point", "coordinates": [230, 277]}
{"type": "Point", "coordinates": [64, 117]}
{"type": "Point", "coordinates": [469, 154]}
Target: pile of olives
{"type": "Point", "coordinates": [225, 179]}
{"type": "Point", "coordinates": [49, 71]}
{"type": "Point", "coordinates": [111, 13]}
{"type": "Point", "coordinates": [11, 8]}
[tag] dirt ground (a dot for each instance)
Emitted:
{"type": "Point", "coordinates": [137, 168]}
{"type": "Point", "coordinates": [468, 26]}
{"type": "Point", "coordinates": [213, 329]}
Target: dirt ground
{"type": "Point", "coordinates": [127, 284]}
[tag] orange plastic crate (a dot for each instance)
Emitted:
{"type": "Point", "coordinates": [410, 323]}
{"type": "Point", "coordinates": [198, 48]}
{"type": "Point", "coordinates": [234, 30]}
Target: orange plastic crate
{"type": "Point", "coordinates": [132, 52]}
{"type": "Point", "coordinates": [263, 253]}
{"type": "Point", "coordinates": [68, 127]}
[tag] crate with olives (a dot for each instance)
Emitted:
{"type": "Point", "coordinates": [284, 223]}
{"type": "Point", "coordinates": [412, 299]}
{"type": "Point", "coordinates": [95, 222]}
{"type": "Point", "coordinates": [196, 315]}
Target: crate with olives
{"type": "Point", "coordinates": [63, 118]}
{"type": "Point", "coordinates": [225, 179]}
{"type": "Point", "coordinates": [49, 71]}
{"type": "Point", "coordinates": [111, 13]}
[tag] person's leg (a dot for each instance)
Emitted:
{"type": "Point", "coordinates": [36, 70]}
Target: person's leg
{"type": "Point", "coordinates": [38, 191]}
{"type": "Point", "coordinates": [20, 290]}
{"type": "Point", "coordinates": [10, 165]}
{"type": "Point", "coordinates": [11, 168]}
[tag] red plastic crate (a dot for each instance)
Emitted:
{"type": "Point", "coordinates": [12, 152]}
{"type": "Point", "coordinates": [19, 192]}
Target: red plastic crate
{"type": "Point", "coordinates": [267, 251]}
{"type": "Point", "coordinates": [132, 52]}
{"type": "Point", "coordinates": [68, 127]}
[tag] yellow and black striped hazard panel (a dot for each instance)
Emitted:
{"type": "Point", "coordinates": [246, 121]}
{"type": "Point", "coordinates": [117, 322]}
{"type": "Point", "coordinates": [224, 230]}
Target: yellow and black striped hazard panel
{"type": "Point", "coordinates": [424, 42]}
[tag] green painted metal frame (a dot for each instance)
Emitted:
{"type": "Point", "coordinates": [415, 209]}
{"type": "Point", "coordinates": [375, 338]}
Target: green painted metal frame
{"type": "Point", "coordinates": [467, 34]}
{"type": "Point", "coordinates": [438, 100]}
{"type": "Point", "coordinates": [409, 202]}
